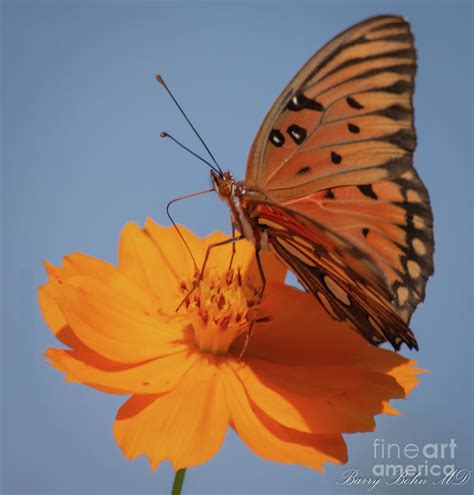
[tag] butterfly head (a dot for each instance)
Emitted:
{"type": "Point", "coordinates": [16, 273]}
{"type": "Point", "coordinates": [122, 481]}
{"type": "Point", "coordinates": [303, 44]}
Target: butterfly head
{"type": "Point", "coordinates": [224, 184]}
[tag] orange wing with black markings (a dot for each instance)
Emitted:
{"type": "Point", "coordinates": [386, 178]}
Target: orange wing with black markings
{"type": "Point", "coordinates": [340, 275]}
{"type": "Point", "coordinates": [336, 150]}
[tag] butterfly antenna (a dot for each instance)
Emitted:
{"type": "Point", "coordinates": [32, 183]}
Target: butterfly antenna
{"type": "Point", "coordinates": [164, 134]}
{"type": "Point", "coordinates": [168, 213]}
{"type": "Point", "coordinates": [162, 82]}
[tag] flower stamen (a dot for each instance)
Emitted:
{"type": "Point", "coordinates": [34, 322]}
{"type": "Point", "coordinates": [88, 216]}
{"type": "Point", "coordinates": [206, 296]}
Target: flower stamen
{"type": "Point", "coordinates": [220, 308]}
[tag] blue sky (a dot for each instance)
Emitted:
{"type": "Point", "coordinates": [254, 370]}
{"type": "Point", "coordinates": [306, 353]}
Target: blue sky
{"type": "Point", "coordinates": [82, 156]}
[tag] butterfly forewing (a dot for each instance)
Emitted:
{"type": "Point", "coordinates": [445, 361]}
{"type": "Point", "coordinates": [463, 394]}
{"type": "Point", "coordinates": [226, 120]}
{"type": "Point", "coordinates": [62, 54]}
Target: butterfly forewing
{"type": "Point", "coordinates": [337, 148]}
{"type": "Point", "coordinates": [335, 102]}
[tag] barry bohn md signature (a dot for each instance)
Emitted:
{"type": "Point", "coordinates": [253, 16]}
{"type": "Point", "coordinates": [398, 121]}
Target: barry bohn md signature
{"type": "Point", "coordinates": [457, 477]}
{"type": "Point", "coordinates": [410, 464]}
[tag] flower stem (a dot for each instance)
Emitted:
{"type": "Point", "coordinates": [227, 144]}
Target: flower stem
{"type": "Point", "coordinates": [178, 482]}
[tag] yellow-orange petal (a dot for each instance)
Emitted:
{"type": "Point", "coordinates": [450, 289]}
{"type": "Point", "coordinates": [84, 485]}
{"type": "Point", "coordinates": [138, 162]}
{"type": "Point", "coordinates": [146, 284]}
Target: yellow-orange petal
{"type": "Point", "coordinates": [273, 441]}
{"type": "Point", "coordinates": [318, 399]}
{"type": "Point", "coordinates": [151, 377]}
{"type": "Point", "coordinates": [170, 243]}
{"type": "Point", "coordinates": [64, 333]}
{"type": "Point", "coordinates": [312, 373]}
{"type": "Point", "coordinates": [52, 315]}
{"type": "Point", "coordinates": [156, 258]}
{"type": "Point", "coordinates": [300, 331]}
{"type": "Point", "coordinates": [151, 265]}
{"type": "Point", "coordinates": [185, 426]}
{"type": "Point", "coordinates": [406, 374]}
{"type": "Point", "coordinates": [77, 264]}
{"type": "Point", "coordinates": [273, 269]}
{"type": "Point", "coordinates": [113, 327]}
{"type": "Point", "coordinates": [389, 409]}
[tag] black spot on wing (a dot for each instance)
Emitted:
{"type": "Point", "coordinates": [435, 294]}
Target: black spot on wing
{"type": "Point", "coordinates": [336, 158]}
{"type": "Point", "coordinates": [367, 190]}
{"type": "Point", "coordinates": [300, 102]}
{"type": "Point", "coordinates": [355, 129]}
{"type": "Point", "coordinates": [365, 231]}
{"type": "Point", "coordinates": [329, 194]}
{"type": "Point", "coordinates": [353, 103]}
{"type": "Point", "coordinates": [297, 133]}
{"type": "Point", "coordinates": [303, 170]}
{"type": "Point", "coordinates": [277, 138]}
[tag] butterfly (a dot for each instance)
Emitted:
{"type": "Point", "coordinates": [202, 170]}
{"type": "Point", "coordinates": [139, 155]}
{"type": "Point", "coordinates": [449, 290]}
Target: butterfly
{"type": "Point", "coordinates": [330, 186]}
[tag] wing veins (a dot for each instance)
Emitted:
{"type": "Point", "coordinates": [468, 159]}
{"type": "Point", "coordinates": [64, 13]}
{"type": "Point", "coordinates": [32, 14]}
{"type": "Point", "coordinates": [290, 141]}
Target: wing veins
{"type": "Point", "coordinates": [321, 124]}
{"type": "Point", "coordinates": [335, 174]}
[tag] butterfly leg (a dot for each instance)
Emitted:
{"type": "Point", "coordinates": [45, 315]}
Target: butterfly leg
{"type": "Point", "coordinates": [262, 290]}
{"type": "Point", "coordinates": [261, 272]}
{"type": "Point", "coordinates": [233, 248]}
{"type": "Point", "coordinates": [198, 279]}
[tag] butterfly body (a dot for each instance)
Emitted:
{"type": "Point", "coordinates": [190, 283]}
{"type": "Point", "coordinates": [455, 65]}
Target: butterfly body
{"type": "Point", "coordinates": [235, 194]}
{"type": "Point", "coordinates": [330, 186]}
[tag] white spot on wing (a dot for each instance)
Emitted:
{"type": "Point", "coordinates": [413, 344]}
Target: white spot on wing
{"type": "Point", "coordinates": [402, 295]}
{"type": "Point", "coordinates": [337, 291]}
{"type": "Point", "coordinates": [414, 269]}
{"type": "Point", "coordinates": [419, 247]}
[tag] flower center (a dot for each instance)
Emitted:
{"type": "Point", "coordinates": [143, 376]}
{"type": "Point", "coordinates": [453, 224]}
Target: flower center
{"type": "Point", "coordinates": [220, 308]}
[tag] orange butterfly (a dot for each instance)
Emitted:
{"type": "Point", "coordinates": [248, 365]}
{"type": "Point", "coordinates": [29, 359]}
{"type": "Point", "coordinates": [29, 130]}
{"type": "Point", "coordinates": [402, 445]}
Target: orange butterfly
{"type": "Point", "coordinates": [330, 187]}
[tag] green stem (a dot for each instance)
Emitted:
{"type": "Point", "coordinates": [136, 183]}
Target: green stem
{"type": "Point", "coordinates": [178, 482]}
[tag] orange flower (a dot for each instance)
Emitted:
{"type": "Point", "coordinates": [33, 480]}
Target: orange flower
{"type": "Point", "coordinates": [303, 380]}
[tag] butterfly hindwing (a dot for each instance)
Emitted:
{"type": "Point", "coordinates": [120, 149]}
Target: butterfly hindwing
{"type": "Point", "coordinates": [340, 275]}
{"type": "Point", "coordinates": [389, 221]}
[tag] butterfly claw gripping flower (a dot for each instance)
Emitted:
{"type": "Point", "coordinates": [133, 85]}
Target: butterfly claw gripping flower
{"type": "Point", "coordinates": [303, 380]}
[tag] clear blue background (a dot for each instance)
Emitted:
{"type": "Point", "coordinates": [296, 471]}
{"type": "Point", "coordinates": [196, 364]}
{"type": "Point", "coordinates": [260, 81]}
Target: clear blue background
{"type": "Point", "coordinates": [82, 156]}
